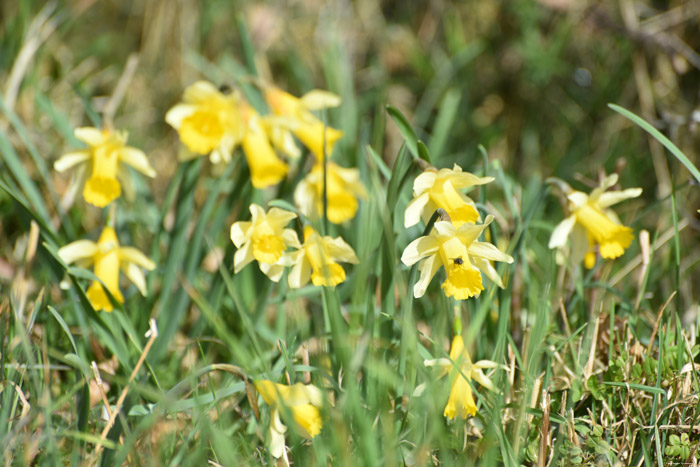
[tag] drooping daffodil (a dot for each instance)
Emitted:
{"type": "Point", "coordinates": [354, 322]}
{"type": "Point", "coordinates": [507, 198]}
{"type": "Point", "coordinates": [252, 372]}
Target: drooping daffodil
{"type": "Point", "coordinates": [462, 370]}
{"type": "Point", "coordinates": [591, 226]}
{"type": "Point", "coordinates": [343, 189]}
{"type": "Point", "coordinates": [435, 189]}
{"type": "Point", "coordinates": [266, 169]}
{"type": "Point", "coordinates": [207, 121]}
{"type": "Point", "coordinates": [317, 259]}
{"type": "Point", "coordinates": [265, 239]}
{"type": "Point", "coordinates": [108, 258]}
{"type": "Point", "coordinates": [463, 257]}
{"type": "Point", "coordinates": [102, 163]}
{"type": "Point", "coordinates": [302, 401]}
{"type": "Point", "coordinates": [304, 124]}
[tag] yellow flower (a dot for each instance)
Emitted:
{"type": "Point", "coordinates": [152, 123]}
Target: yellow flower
{"type": "Point", "coordinates": [303, 402]}
{"type": "Point", "coordinates": [317, 260]}
{"type": "Point", "coordinates": [343, 189]}
{"type": "Point", "coordinates": [462, 256]}
{"type": "Point", "coordinates": [108, 258]}
{"type": "Point", "coordinates": [591, 224]}
{"type": "Point", "coordinates": [207, 121]}
{"type": "Point", "coordinates": [439, 189]}
{"type": "Point", "coordinates": [302, 122]}
{"type": "Point", "coordinates": [266, 169]}
{"type": "Point", "coordinates": [102, 163]}
{"type": "Point", "coordinates": [462, 370]}
{"type": "Point", "coordinates": [264, 239]}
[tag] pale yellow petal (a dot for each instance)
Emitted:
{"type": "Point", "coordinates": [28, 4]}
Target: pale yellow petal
{"type": "Point", "coordinates": [488, 251]}
{"type": "Point", "coordinates": [561, 232]}
{"type": "Point", "coordinates": [243, 257]}
{"type": "Point", "coordinates": [424, 182]}
{"type": "Point", "coordinates": [137, 159]}
{"type": "Point", "coordinates": [427, 269]}
{"type": "Point", "coordinates": [272, 271]}
{"type": "Point", "coordinates": [77, 251]}
{"type": "Point", "coordinates": [239, 232]}
{"type": "Point", "coordinates": [132, 255]}
{"type": "Point", "coordinates": [71, 159]}
{"type": "Point", "coordinates": [178, 113]}
{"type": "Point", "coordinates": [609, 198]}
{"type": "Point", "coordinates": [339, 250]}
{"type": "Point", "coordinates": [414, 209]}
{"type": "Point", "coordinates": [136, 276]}
{"type": "Point", "coordinates": [317, 99]}
{"type": "Point", "coordinates": [89, 135]}
{"type": "Point", "coordinates": [419, 249]}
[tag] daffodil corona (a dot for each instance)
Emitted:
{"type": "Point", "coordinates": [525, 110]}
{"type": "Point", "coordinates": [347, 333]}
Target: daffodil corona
{"type": "Point", "coordinates": [264, 239]}
{"type": "Point", "coordinates": [435, 189]}
{"type": "Point", "coordinates": [108, 258]}
{"type": "Point", "coordinates": [461, 370]}
{"type": "Point", "coordinates": [305, 126]}
{"type": "Point", "coordinates": [101, 165]}
{"type": "Point", "coordinates": [463, 257]}
{"type": "Point", "coordinates": [207, 121]}
{"type": "Point", "coordinates": [303, 403]}
{"type": "Point", "coordinates": [318, 260]}
{"type": "Point", "coordinates": [343, 190]}
{"type": "Point", "coordinates": [592, 225]}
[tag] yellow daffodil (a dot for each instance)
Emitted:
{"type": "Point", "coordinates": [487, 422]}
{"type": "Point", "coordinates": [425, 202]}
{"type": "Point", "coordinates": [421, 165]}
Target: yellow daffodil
{"type": "Point", "coordinates": [592, 225]}
{"type": "Point", "coordinates": [264, 239]}
{"type": "Point", "coordinates": [317, 260]}
{"type": "Point", "coordinates": [343, 189]}
{"type": "Point", "coordinates": [440, 189]}
{"type": "Point", "coordinates": [108, 258]}
{"type": "Point", "coordinates": [305, 126]}
{"type": "Point", "coordinates": [462, 256]}
{"type": "Point", "coordinates": [207, 121]}
{"type": "Point", "coordinates": [266, 169]}
{"type": "Point", "coordinates": [461, 369]}
{"type": "Point", "coordinates": [303, 403]}
{"type": "Point", "coordinates": [102, 163]}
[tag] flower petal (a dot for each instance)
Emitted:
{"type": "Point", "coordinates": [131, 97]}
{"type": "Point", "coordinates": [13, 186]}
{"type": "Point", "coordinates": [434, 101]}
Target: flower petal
{"type": "Point", "coordinates": [340, 250]}
{"type": "Point", "coordinates": [414, 210]}
{"type": "Point", "coordinates": [272, 271]}
{"type": "Point", "coordinates": [138, 160]}
{"type": "Point", "coordinates": [71, 159]}
{"type": "Point", "coordinates": [133, 255]}
{"type": "Point", "coordinates": [300, 274]}
{"type": "Point", "coordinates": [424, 182]}
{"type": "Point", "coordinates": [89, 135]}
{"type": "Point", "coordinates": [135, 275]}
{"type": "Point", "coordinates": [427, 269]}
{"type": "Point", "coordinates": [561, 232]}
{"type": "Point", "coordinates": [419, 249]}
{"type": "Point", "coordinates": [290, 238]}
{"type": "Point", "coordinates": [239, 232]}
{"type": "Point", "coordinates": [488, 251]}
{"type": "Point", "coordinates": [317, 99]}
{"type": "Point", "coordinates": [79, 250]}
{"type": "Point", "coordinates": [613, 197]}
{"type": "Point", "coordinates": [178, 113]}
{"type": "Point", "coordinates": [243, 257]}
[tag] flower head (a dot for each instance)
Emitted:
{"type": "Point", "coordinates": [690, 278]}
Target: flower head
{"type": "Point", "coordinates": [317, 259]}
{"type": "Point", "coordinates": [207, 121]}
{"type": "Point", "coordinates": [343, 189]}
{"type": "Point", "coordinates": [462, 370]}
{"type": "Point", "coordinates": [306, 127]}
{"type": "Point", "coordinates": [102, 163]}
{"type": "Point", "coordinates": [108, 258]}
{"type": "Point", "coordinates": [463, 257]}
{"type": "Point", "coordinates": [303, 402]}
{"type": "Point", "coordinates": [440, 189]}
{"type": "Point", "coordinates": [592, 226]}
{"type": "Point", "coordinates": [264, 239]}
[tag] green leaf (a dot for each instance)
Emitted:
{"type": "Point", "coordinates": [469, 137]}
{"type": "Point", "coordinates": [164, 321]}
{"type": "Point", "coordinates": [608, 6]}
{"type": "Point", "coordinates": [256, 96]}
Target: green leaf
{"type": "Point", "coordinates": [646, 126]}
{"type": "Point", "coordinates": [405, 128]}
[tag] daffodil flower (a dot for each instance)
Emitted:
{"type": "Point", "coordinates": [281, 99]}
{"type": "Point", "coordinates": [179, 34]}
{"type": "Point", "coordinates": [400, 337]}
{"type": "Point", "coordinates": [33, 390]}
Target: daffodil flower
{"type": "Point", "coordinates": [303, 402]}
{"type": "Point", "coordinates": [463, 257]}
{"type": "Point", "coordinates": [108, 258]}
{"type": "Point", "coordinates": [440, 189]}
{"type": "Point", "coordinates": [305, 126]}
{"type": "Point", "coordinates": [264, 239]}
{"type": "Point", "coordinates": [343, 189]}
{"type": "Point", "coordinates": [266, 169]}
{"type": "Point", "coordinates": [102, 164]}
{"type": "Point", "coordinates": [592, 225]}
{"type": "Point", "coordinates": [461, 369]}
{"type": "Point", "coordinates": [318, 260]}
{"type": "Point", "coordinates": [207, 121]}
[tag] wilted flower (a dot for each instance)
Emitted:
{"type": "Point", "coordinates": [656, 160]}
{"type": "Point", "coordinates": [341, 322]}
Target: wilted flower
{"type": "Point", "coordinates": [297, 112]}
{"type": "Point", "coordinates": [108, 258]}
{"type": "Point", "coordinates": [102, 163]}
{"type": "Point", "coordinates": [264, 239]}
{"type": "Point", "coordinates": [303, 402]}
{"type": "Point", "coordinates": [462, 256]}
{"type": "Point", "coordinates": [591, 224]}
{"type": "Point", "coordinates": [462, 370]}
{"type": "Point", "coordinates": [439, 189]}
{"type": "Point", "coordinates": [207, 121]}
{"type": "Point", "coordinates": [317, 260]}
{"type": "Point", "coordinates": [343, 188]}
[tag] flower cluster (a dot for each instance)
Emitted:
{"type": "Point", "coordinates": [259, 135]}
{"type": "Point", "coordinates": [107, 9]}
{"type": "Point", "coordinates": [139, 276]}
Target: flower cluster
{"type": "Point", "coordinates": [452, 243]}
